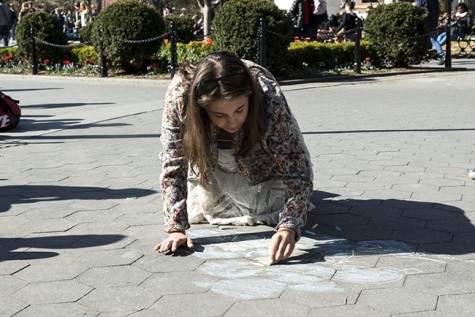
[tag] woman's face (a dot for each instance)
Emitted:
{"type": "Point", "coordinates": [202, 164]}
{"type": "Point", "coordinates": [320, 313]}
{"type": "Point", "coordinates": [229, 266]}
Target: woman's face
{"type": "Point", "coordinates": [229, 115]}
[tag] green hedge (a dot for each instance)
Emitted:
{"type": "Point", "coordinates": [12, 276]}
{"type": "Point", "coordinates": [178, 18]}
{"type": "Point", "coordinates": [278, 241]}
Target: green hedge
{"type": "Point", "coordinates": [328, 55]}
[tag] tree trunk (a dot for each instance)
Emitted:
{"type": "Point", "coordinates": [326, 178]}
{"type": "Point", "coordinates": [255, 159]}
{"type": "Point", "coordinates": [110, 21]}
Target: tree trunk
{"type": "Point", "coordinates": [207, 8]}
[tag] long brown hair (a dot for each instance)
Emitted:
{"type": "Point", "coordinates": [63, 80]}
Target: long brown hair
{"type": "Point", "coordinates": [220, 75]}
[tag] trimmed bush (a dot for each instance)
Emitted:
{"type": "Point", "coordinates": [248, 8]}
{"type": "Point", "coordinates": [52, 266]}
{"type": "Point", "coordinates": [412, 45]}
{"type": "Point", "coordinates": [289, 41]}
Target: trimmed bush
{"type": "Point", "coordinates": [183, 27]}
{"type": "Point", "coordinates": [328, 55]}
{"type": "Point", "coordinates": [236, 25]}
{"type": "Point", "coordinates": [46, 28]}
{"type": "Point", "coordinates": [399, 32]}
{"type": "Point", "coordinates": [127, 20]}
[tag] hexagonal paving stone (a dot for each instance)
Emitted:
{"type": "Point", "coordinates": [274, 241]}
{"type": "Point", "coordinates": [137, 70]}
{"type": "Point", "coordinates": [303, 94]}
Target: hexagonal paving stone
{"type": "Point", "coordinates": [411, 264]}
{"type": "Point", "coordinates": [268, 307]}
{"type": "Point", "coordinates": [457, 304]}
{"type": "Point", "coordinates": [421, 236]}
{"type": "Point", "coordinates": [179, 283]}
{"type": "Point", "coordinates": [197, 305]}
{"type": "Point", "coordinates": [113, 299]}
{"type": "Point", "coordinates": [10, 267]}
{"type": "Point", "coordinates": [398, 300]}
{"type": "Point", "coordinates": [57, 310]}
{"type": "Point", "coordinates": [10, 284]}
{"type": "Point", "coordinates": [9, 306]}
{"type": "Point", "coordinates": [249, 288]}
{"type": "Point", "coordinates": [51, 272]}
{"type": "Point", "coordinates": [113, 276]}
{"type": "Point", "coordinates": [52, 292]}
{"type": "Point", "coordinates": [102, 258]}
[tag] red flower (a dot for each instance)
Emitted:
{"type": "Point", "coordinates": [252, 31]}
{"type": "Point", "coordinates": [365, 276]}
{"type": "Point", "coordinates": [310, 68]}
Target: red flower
{"type": "Point", "coordinates": [92, 60]}
{"type": "Point", "coordinates": [165, 41]}
{"type": "Point", "coordinates": [46, 61]}
{"type": "Point", "coordinates": [7, 58]}
{"type": "Point", "coordinates": [66, 62]}
{"type": "Point", "coordinates": [87, 61]}
{"type": "Point", "coordinates": [208, 41]}
{"type": "Point", "coordinates": [367, 59]}
{"type": "Point", "coordinates": [154, 65]}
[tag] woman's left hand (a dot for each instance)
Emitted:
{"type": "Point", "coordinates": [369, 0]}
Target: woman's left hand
{"type": "Point", "coordinates": [281, 245]}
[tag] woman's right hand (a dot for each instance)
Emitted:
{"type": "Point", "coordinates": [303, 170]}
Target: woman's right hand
{"type": "Point", "coordinates": [174, 240]}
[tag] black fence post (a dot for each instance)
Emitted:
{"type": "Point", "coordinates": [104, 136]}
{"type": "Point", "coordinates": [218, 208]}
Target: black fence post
{"type": "Point", "coordinates": [102, 56]}
{"type": "Point", "coordinates": [357, 68]}
{"type": "Point", "coordinates": [173, 50]}
{"type": "Point", "coordinates": [448, 47]}
{"type": "Point", "coordinates": [34, 60]}
{"type": "Point", "coordinates": [261, 42]}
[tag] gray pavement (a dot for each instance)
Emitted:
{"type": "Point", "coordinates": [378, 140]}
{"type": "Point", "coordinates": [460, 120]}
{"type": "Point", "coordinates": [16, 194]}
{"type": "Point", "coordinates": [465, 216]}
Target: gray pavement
{"type": "Point", "coordinates": [80, 209]}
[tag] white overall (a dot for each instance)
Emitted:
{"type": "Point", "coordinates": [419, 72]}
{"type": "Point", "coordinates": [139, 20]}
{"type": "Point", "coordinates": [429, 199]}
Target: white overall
{"type": "Point", "coordinates": [229, 200]}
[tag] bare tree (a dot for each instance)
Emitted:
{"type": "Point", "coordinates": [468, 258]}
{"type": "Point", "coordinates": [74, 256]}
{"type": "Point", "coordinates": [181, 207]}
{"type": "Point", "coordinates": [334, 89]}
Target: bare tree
{"type": "Point", "coordinates": [207, 7]}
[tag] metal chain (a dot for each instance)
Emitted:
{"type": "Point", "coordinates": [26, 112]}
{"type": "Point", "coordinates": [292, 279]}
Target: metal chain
{"type": "Point", "coordinates": [50, 44]}
{"type": "Point", "coordinates": [145, 40]}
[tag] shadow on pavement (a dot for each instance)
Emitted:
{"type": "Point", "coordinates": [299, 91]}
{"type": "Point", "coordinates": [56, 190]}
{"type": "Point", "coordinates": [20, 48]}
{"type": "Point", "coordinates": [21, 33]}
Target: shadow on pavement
{"type": "Point", "coordinates": [359, 227]}
{"type": "Point", "coordinates": [424, 226]}
{"type": "Point", "coordinates": [65, 105]}
{"type": "Point", "coordinates": [9, 245]}
{"type": "Point", "coordinates": [28, 194]}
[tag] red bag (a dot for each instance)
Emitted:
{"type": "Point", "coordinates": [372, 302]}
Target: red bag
{"type": "Point", "coordinates": [10, 112]}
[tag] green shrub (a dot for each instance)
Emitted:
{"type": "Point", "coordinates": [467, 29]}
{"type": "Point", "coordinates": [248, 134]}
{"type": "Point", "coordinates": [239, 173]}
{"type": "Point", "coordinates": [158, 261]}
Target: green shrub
{"type": "Point", "coordinates": [46, 28]}
{"type": "Point", "coordinates": [399, 32]}
{"type": "Point", "coordinates": [328, 55]}
{"type": "Point", "coordinates": [127, 20]}
{"type": "Point", "coordinates": [236, 25]}
{"type": "Point", "coordinates": [183, 27]}
{"type": "Point", "coordinates": [85, 55]}
{"type": "Point", "coordinates": [191, 52]}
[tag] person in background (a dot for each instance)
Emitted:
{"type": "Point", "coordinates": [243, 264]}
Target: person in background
{"type": "Point", "coordinates": [4, 22]}
{"type": "Point", "coordinates": [348, 22]}
{"type": "Point", "coordinates": [85, 14]}
{"type": "Point", "coordinates": [460, 26]}
{"type": "Point", "coordinates": [233, 154]}
{"type": "Point", "coordinates": [433, 20]}
{"type": "Point", "coordinates": [301, 13]}
{"type": "Point", "coordinates": [25, 9]}
{"type": "Point", "coordinates": [13, 22]}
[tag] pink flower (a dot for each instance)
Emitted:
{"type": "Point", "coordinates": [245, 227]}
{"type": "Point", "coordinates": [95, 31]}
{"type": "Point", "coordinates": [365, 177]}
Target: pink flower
{"type": "Point", "coordinates": [208, 41]}
{"type": "Point", "coordinates": [165, 41]}
{"type": "Point", "coordinates": [46, 61]}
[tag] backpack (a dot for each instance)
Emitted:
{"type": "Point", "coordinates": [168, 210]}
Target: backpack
{"type": "Point", "coordinates": [10, 112]}
{"type": "Point", "coordinates": [320, 7]}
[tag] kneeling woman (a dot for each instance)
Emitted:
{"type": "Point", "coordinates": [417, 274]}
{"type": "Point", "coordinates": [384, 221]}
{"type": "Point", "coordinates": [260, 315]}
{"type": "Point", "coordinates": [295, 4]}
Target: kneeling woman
{"type": "Point", "coordinates": [232, 153]}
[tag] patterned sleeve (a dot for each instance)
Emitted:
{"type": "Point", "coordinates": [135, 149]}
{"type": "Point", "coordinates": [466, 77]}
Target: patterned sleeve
{"type": "Point", "coordinates": [174, 167]}
{"type": "Point", "coordinates": [292, 158]}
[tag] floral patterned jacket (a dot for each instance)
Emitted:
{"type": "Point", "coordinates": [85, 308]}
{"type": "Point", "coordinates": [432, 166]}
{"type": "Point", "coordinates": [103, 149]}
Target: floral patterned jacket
{"type": "Point", "coordinates": [281, 155]}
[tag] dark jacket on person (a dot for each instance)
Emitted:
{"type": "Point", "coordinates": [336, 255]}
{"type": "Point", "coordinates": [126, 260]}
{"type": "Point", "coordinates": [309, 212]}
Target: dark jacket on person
{"type": "Point", "coordinates": [348, 22]}
{"type": "Point", "coordinates": [433, 7]}
{"type": "Point", "coordinates": [297, 12]}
